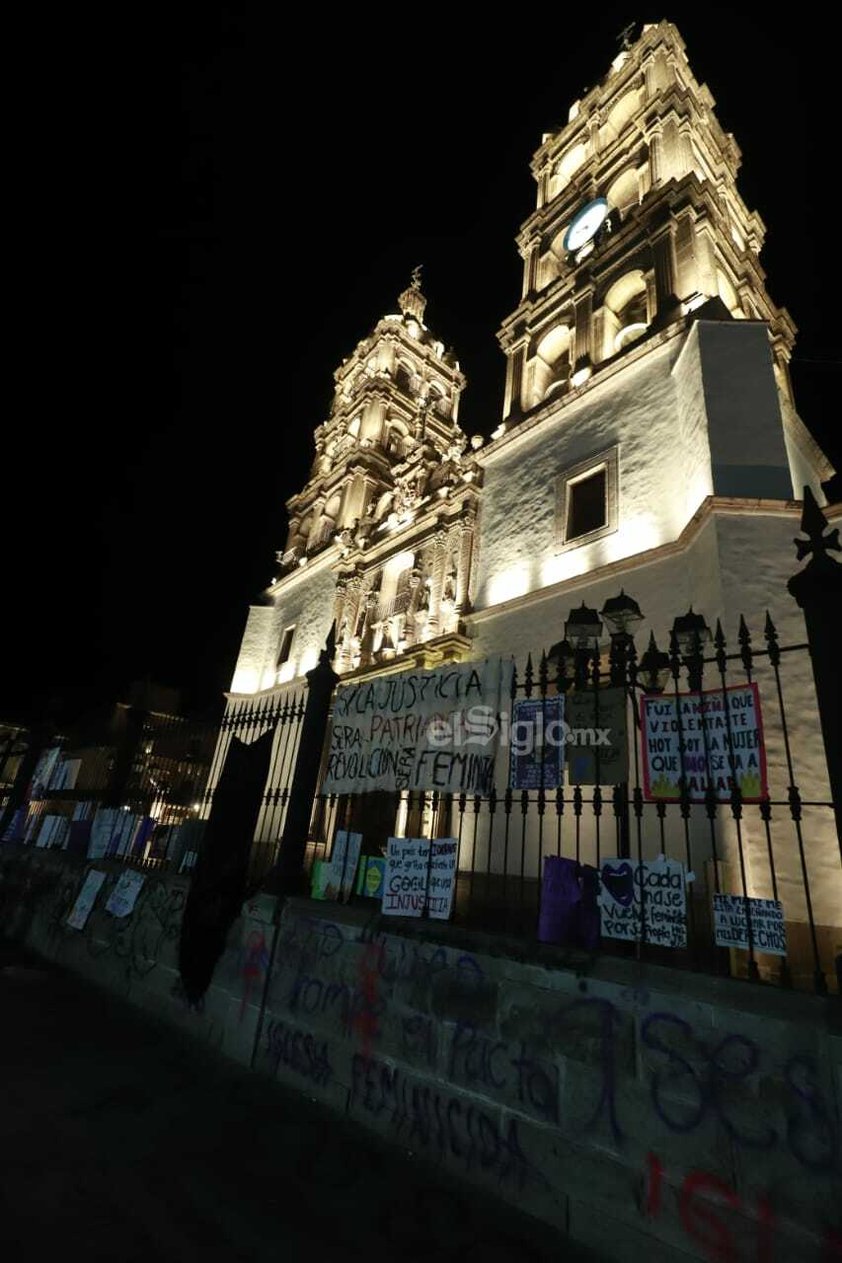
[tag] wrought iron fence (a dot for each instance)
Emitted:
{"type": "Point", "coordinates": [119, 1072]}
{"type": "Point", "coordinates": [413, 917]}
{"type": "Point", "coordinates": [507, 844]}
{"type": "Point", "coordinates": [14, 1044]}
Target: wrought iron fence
{"type": "Point", "coordinates": [763, 833]}
{"type": "Point", "coordinates": [247, 719]}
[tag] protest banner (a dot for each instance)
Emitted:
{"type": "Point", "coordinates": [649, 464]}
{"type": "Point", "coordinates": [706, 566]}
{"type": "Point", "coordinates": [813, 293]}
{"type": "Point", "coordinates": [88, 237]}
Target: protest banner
{"type": "Point", "coordinates": [536, 743]}
{"type": "Point", "coordinates": [651, 895]}
{"type": "Point", "coordinates": [340, 871]}
{"type": "Point", "coordinates": [768, 929]}
{"type": "Point", "coordinates": [442, 883]}
{"type": "Point", "coordinates": [370, 877]}
{"type": "Point", "coordinates": [121, 901]}
{"type": "Point", "coordinates": [706, 742]}
{"type": "Point", "coordinates": [420, 729]}
{"type": "Point", "coordinates": [85, 900]}
{"type": "Point", "coordinates": [418, 878]}
{"type": "Point", "coordinates": [598, 750]}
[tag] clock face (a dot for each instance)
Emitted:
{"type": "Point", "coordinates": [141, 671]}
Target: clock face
{"type": "Point", "coordinates": [585, 224]}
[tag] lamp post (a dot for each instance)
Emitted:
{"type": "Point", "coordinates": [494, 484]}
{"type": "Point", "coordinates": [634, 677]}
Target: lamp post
{"type": "Point", "coordinates": [622, 615]}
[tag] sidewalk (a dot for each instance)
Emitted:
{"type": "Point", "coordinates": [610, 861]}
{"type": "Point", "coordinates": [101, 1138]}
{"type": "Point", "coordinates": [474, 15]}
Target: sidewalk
{"type": "Point", "coordinates": [123, 1142]}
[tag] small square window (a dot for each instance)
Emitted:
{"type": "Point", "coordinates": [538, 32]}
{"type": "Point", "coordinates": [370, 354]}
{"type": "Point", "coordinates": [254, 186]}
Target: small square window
{"type": "Point", "coordinates": [587, 501]}
{"type": "Point", "coordinates": [286, 646]}
{"type": "Point", "coordinates": [586, 506]}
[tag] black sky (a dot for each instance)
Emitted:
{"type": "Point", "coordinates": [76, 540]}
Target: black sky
{"type": "Point", "coordinates": [214, 208]}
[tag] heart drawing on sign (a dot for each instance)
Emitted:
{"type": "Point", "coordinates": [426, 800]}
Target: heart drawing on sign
{"type": "Point", "coordinates": [619, 882]}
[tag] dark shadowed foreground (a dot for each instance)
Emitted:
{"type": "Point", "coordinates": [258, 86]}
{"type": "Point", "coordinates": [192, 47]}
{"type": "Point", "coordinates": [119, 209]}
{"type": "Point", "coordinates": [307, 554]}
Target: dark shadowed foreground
{"type": "Point", "coordinates": [122, 1141]}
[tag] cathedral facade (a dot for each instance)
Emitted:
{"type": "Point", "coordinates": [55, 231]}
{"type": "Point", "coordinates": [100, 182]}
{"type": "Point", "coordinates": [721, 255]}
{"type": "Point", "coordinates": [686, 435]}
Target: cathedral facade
{"type": "Point", "coordinates": [649, 436]}
{"type": "Point", "coordinates": [648, 443]}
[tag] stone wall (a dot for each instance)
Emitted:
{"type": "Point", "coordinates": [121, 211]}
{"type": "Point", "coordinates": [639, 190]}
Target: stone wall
{"type": "Point", "coordinates": [646, 1112]}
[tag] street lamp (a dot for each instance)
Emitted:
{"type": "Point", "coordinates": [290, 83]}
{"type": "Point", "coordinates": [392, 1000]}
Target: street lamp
{"type": "Point", "coordinates": [622, 614]}
{"type": "Point", "coordinates": [654, 668]}
{"type": "Point", "coordinates": [690, 634]}
{"type": "Point", "coordinates": [583, 628]}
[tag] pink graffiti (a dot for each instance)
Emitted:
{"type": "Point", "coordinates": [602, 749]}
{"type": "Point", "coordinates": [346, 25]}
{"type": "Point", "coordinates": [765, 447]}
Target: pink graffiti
{"type": "Point", "coordinates": [254, 966]}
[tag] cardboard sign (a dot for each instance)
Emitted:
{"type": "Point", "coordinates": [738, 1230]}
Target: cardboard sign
{"type": "Point", "coordinates": [427, 729]}
{"type": "Point", "coordinates": [370, 876]}
{"type": "Point", "coordinates": [714, 738]}
{"type": "Point", "coordinates": [625, 885]}
{"type": "Point", "coordinates": [768, 928]}
{"type": "Point", "coordinates": [86, 899]}
{"type": "Point", "coordinates": [598, 749]}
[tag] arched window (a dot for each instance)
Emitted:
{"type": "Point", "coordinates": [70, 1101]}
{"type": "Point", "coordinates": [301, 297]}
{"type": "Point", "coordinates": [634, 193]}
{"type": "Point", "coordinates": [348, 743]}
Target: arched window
{"type": "Point", "coordinates": [624, 192]}
{"type": "Point", "coordinates": [550, 366]}
{"type": "Point", "coordinates": [625, 310]}
{"type": "Point", "coordinates": [565, 168]}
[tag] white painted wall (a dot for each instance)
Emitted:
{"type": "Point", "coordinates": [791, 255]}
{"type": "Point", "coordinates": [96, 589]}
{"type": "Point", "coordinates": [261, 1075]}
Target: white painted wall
{"type": "Point", "coordinates": [654, 416]}
{"type": "Point", "coordinates": [305, 600]}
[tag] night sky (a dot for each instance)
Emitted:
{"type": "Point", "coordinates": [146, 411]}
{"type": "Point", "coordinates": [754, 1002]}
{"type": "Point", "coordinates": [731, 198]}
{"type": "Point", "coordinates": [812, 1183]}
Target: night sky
{"type": "Point", "coordinates": [203, 240]}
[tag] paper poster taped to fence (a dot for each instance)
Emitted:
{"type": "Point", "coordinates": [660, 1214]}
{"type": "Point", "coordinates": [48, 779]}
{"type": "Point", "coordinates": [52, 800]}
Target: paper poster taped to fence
{"type": "Point", "coordinates": [709, 743]}
{"type": "Point", "coordinates": [103, 826]}
{"type": "Point", "coordinates": [442, 882]}
{"type": "Point", "coordinates": [53, 831]}
{"type": "Point", "coordinates": [123, 897]}
{"type": "Point", "coordinates": [768, 928]}
{"type": "Point", "coordinates": [370, 877]}
{"type": "Point", "coordinates": [86, 899]}
{"type": "Point", "coordinates": [339, 872]}
{"type": "Point", "coordinates": [418, 880]}
{"type": "Point", "coordinates": [431, 729]}
{"type": "Point", "coordinates": [65, 773]}
{"type": "Point", "coordinates": [598, 748]}
{"type": "Point", "coordinates": [405, 879]}
{"type": "Point", "coordinates": [44, 769]}
{"type": "Point", "coordinates": [644, 901]}
{"type": "Point", "coordinates": [536, 743]}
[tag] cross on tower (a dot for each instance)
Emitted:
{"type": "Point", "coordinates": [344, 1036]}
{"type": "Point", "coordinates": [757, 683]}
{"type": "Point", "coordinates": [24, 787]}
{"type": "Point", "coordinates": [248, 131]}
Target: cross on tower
{"type": "Point", "coordinates": [625, 35]}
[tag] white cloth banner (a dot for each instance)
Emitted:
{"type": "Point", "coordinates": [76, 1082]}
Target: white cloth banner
{"type": "Point", "coordinates": [123, 897]}
{"type": "Point", "coordinates": [423, 729]}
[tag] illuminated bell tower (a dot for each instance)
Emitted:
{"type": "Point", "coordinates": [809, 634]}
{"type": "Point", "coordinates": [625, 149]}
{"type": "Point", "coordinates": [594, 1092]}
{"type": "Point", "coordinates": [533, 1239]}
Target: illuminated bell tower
{"type": "Point", "coordinates": [638, 222]}
{"type": "Point", "coordinates": [380, 540]}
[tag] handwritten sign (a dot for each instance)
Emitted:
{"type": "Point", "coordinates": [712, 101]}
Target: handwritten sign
{"type": "Point", "coordinates": [418, 880]}
{"type": "Point", "coordinates": [656, 888]}
{"type": "Point", "coordinates": [715, 738]}
{"type": "Point", "coordinates": [86, 899]}
{"type": "Point", "coordinates": [768, 929]}
{"type": "Point", "coordinates": [536, 745]}
{"type": "Point", "coordinates": [424, 729]}
{"type": "Point", "coordinates": [442, 883]}
{"type": "Point", "coordinates": [123, 897]}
